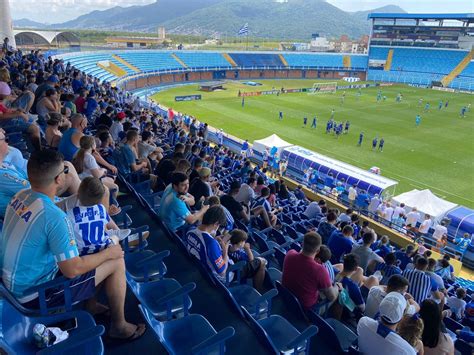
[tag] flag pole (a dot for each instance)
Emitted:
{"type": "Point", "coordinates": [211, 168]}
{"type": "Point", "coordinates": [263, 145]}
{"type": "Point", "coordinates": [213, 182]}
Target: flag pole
{"type": "Point", "coordinates": [247, 41]}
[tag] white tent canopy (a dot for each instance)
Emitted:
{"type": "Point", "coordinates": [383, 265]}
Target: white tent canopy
{"type": "Point", "coordinates": [270, 142]}
{"type": "Point", "coordinates": [426, 202]}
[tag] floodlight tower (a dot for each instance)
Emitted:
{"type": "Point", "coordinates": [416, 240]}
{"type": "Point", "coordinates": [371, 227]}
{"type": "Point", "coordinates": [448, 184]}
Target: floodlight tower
{"type": "Point", "coordinates": [6, 26]}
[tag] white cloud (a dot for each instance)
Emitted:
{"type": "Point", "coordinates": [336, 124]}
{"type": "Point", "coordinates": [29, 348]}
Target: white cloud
{"type": "Point", "coordinates": [426, 6]}
{"type": "Point", "coordinates": [56, 11]}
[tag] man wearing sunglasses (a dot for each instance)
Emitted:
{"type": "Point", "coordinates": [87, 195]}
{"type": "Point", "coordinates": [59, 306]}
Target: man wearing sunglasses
{"type": "Point", "coordinates": [38, 245]}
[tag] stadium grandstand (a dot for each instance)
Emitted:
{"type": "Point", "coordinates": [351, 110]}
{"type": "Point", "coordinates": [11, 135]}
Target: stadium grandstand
{"type": "Point", "coordinates": [129, 227]}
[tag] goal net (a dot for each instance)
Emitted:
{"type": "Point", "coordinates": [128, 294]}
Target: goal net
{"type": "Point", "coordinates": [319, 88]}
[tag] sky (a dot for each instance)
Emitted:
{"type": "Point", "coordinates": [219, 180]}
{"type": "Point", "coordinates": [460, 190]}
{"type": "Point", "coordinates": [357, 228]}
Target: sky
{"type": "Point", "coordinates": [56, 11]}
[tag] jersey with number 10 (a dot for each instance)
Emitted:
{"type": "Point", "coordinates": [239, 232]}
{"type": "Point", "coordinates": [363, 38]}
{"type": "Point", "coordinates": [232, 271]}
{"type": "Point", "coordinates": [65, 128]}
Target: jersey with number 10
{"type": "Point", "coordinates": [89, 228]}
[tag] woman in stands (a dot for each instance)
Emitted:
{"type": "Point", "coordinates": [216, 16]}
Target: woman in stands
{"type": "Point", "coordinates": [86, 165]}
{"type": "Point", "coordinates": [435, 338]}
{"type": "Point", "coordinates": [53, 134]}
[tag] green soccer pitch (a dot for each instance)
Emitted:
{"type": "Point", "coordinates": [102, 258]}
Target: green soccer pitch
{"type": "Point", "coordinates": [438, 155]}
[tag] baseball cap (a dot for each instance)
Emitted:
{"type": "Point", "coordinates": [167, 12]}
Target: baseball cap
{"type": "Point", "coordinates": [121, 115]}
{"type": "Point", "coordinates": [392, 308]}
{"type": "Point", "coordinates": [5, 88]}
{"type": "Point", "coordinates": [204, 172]}
{"type": "Point", "coordinates": [53, 79]}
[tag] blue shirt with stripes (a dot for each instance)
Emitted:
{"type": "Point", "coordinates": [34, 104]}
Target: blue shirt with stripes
{"type": "Point", "coordinates": [35, 237]}
{"type": "Point", "coordinates": [420, 286]}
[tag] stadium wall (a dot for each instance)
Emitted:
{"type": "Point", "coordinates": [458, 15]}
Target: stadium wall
{"type": "Point", "coordinates": [138, 82]}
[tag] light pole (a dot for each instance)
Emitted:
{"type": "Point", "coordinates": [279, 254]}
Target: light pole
{"type": "Point", "coordinates": [6, 25]}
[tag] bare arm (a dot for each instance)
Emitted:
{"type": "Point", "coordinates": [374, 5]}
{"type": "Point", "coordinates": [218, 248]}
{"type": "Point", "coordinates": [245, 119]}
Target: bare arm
{"type": "Point", "coordinates": [196, 216]}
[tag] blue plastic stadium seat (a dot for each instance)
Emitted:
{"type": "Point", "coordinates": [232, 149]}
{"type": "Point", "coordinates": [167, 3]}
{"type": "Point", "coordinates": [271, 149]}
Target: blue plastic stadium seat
{"type": "Point", "coordinates": [191, 334]}
{"type": "Point", "coordinates": [16, 336]}
{"type": "Point", "coordinates": [281, 336]}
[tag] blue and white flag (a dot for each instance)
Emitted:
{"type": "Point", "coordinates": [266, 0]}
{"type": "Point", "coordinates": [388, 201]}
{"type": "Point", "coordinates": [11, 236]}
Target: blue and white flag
{"type": "Point", "coordinates": [244, 30]}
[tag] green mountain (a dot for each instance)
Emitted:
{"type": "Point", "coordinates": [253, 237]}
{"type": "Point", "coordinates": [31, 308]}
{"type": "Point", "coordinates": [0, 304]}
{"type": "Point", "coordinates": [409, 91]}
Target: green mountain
{"type": "Point", "coordinates": [295, 19]}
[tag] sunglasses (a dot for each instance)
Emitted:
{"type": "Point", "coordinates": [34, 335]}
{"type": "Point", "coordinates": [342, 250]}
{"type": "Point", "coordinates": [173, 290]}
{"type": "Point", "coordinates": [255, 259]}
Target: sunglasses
{"type": "Point", "coordinates": [65, 171]}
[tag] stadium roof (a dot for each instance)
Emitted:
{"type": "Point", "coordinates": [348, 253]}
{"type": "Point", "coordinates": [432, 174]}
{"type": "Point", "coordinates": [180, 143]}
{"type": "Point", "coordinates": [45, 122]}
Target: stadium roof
{"type": "Point", "coordinates": [28, 37]}
{"type": "Point", "coordinates": [460, 17]}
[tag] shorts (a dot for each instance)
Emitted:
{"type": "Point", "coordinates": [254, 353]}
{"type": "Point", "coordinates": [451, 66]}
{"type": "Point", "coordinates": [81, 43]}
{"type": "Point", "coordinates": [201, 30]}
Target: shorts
{"type": "Point", "coordinates": [251, 268]}
{"type": "Point", "coordinates": [15, 125]}
{"type": "Point", "coordinates": [82, 288]}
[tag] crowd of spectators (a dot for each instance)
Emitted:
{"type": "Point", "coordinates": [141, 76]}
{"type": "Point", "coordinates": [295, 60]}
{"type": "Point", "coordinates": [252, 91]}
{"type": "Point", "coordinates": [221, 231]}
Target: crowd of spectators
{"type": "Point", "coordinates": [81, 133]}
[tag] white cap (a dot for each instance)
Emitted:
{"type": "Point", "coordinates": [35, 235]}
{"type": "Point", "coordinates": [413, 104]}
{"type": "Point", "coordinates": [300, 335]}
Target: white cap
{"type": "Point", "coordinates": [392, 308]}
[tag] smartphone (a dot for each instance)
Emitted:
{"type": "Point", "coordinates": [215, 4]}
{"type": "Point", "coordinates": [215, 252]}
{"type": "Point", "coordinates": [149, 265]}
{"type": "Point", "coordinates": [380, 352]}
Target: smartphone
{"type": "Point", "coordinates": [65, 325]}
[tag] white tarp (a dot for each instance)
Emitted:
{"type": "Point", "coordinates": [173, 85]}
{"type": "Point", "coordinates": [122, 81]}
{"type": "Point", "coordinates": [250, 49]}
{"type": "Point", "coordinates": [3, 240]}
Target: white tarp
{"type": "Point", "coordinates": [426, 202]}
{"type": "Point", "coordinates": [270, 142]}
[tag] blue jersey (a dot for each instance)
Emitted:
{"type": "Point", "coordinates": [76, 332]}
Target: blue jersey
{"type": "Point", "coordinates": [12, 180]}
{"type": "Point", "coordinates": [36, 237]}
{"type": "Point", "coordinates": [206, 249]}
{"type": "Point", "coordinates": [89, 228]}
{"type": "Point", "coordinates": [361, 137]}
{"type": "Point", "coordinates": [374, 142]}
{"type": "Point", "coordinates": [305, 120]}
{"type": "Point", "coordinates": [245, 145]}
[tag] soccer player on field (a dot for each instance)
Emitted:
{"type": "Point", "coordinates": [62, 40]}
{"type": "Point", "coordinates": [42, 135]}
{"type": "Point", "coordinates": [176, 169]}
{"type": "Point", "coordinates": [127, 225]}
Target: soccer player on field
{"type": "Point", "coordinates": [374, 143]}
{"type": "Point", "coordinates": [381, 143]}
{"type": "Point", "coordinates": [379, 95]}
{"type": "Point", "coordinates": [440, 105]}
{"type": "Point", "coordinates": [469, 108]}
{"type": "Point", "coordinates": [328, 126]}
{"type": "Point", "coordinates": [361, 138]}
{"type": "Point", "coordinates": [417, 120]}
{"type": "Point", "coordinates": [313, 125]}
{"type": "Point", "coordinates": [243, 101]}
{"type": "Point", "coordinates": [446, 104]}
{"type": "Point", "coordinates": [420, 102]}
{"type": "Point", "coordinates": [346, 127]}
{"type": "Point", "coordinates": [427, 107]}
{"type": "Point", "coordinates": [332, 114]}
{"type": "Point", "coordinates": [281, 115]}
{"type": "Point", "coordinates": [463, 111]}
{"type": "Point", "coordinates": [305, 121]}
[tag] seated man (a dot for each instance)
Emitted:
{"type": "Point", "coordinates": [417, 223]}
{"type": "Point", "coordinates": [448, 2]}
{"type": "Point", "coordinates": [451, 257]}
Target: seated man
{"type": "Point", "coordinates": [396, 283]}
{"type": "Point", "coordinates": [307, 285]}
{"type": "Point", "coordinates": [367, 257]}
{"type": "Point", "coordinates": [174, 211]}
{"type": "Point", "coordinates": [13, 177]}
{"type": "Point", "coordinates": [17, 120]}
{"type": "Point", "coordinates": [350, 265]}
{"type": "Point", "coordinates": [380, 337]}
{"type": "Point", "coordinates": [37, 245]}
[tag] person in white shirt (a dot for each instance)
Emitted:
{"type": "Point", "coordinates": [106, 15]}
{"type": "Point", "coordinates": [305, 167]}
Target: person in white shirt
{"type": "Point", "coordinates": [440, 230]}
{"type": "Point", "coordinates": [246, 193]}
{"type": "Point", "coordinates": [399, 211]}
{"type": "Point", "coordinates": [374, 204]}
{"type": "Point", "coordinates": [457, 303]}
{"type": "Point", "coordinates": [380, 337]}
{"type": "Point", "coordinates": [412, 218]}
{"type": "Point", "coordinates": [396, 283]}
{"type": "Point", "coordinates": [388, 214]}
{"type": "Point", "coordinates": [425, 225]}
{"type": "Point", "coordinates": [352, 194]}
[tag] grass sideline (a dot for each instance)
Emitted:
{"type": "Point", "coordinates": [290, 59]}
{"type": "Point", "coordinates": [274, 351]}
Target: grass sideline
{"type": "Point", "coordinates": [437, 155]}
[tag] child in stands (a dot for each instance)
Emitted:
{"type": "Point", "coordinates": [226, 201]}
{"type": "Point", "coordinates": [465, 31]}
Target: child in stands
{"type": "Point", "coordinates": [457, 304]}
{"type": "Point", "coordinates": [94, 230]}
{"type": "Point", "coordinates": [411, 329]}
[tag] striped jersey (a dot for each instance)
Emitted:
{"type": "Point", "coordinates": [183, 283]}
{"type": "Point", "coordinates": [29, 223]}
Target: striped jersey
{"type": "Point", "coordinates": [420, 286]}
{"type": "Point", "coordinates": [36, 236]}
{"type": "Point", "coordinates": [387, 271]}
{"type": "Point", "coordinates": [89, 228]}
